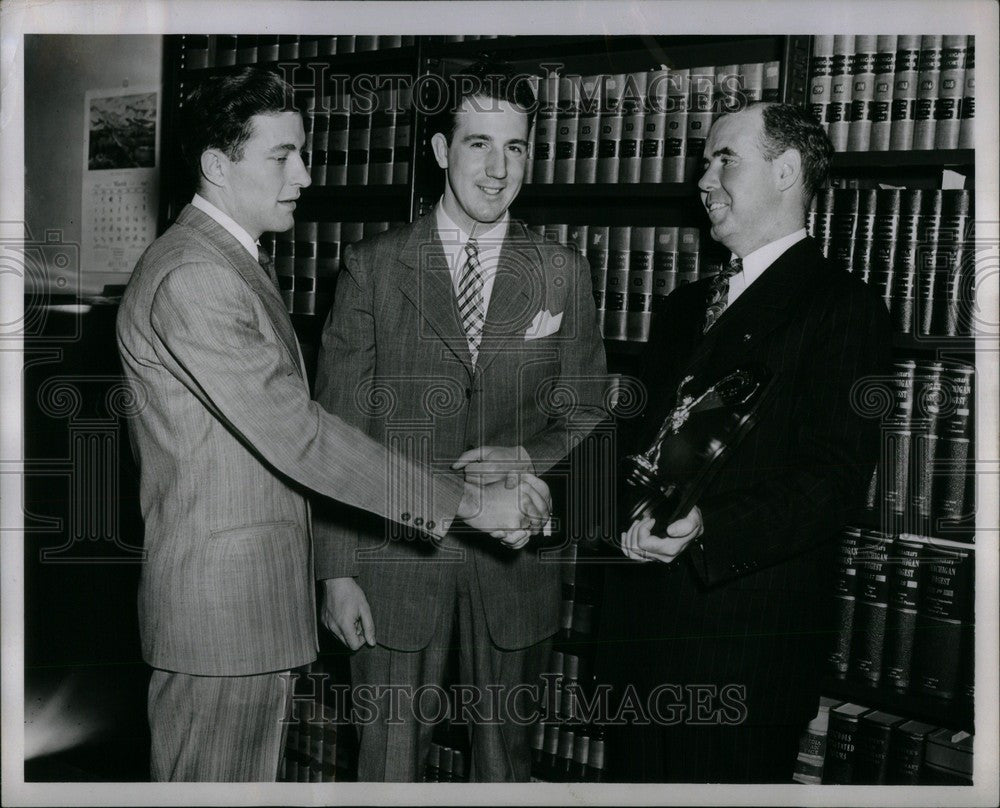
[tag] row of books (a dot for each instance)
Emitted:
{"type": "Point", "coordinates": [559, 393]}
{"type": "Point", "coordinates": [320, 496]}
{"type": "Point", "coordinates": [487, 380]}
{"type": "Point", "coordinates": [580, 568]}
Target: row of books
{"type": "Point", "coordinates": [445, 764]}
{"type": "Point", "coordinates": [853, 744]}
{"type": "Point", "coordinates": [905, 614]}
{"type": "Point", "coordinates": [359, 139]}
{"type": "Point", "coordinates": [566, 752]}
{"type": "Point", "coordinates": [222, 50]}
{"type": "Point", "coordinates": [882, 93]}
{"type": "Point", "coordinates": [923, 483]}
{"type": "Point", "coordinates": [307, 259]}
{"type": "Point", "coordinates": [915, 245]}
{"type": "Point", "coordinates": [310, 754]}
{"type": "Point", "coordinates": [637, 127]}
{"type": "Point", "coordinates": [632, 270]}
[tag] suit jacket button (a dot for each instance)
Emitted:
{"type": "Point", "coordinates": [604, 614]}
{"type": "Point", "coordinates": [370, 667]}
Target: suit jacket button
{"type": "Point", "coordinates": [468, 393]}
{"type": "Point", "coordinates": [405, 516]}
{"type": "Point", "coordinates": [431, 525]}
{"type": "Point", "coordinates": [418, 521]}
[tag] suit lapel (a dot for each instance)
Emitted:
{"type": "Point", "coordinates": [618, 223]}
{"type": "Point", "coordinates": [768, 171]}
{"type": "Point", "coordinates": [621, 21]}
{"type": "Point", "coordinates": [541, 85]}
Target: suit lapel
{"type": "Point", "coordinates": [251, 271]}
{"type": "Point", "coordinates": [769, 301]}
{"type": "Point", "coordinates": [518, 293]}
{"type": "Point", "coordinates": [429, 287]}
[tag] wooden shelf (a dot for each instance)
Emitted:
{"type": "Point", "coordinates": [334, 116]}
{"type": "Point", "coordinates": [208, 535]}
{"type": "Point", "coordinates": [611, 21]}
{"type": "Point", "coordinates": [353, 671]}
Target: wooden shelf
{"type": "Point", "coordinates": [938, 346]}
{"type": "Point", "coordinates": [960, 159]}
{"type": "Point", "coordinates": [324, 203]}
{"type": "Point", "coordinates": [951, 713]}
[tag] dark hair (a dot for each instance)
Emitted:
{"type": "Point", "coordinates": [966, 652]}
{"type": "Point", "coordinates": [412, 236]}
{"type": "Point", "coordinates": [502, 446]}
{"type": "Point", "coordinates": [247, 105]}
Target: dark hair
{"type": "Point", "coordinates": [485, 79]}
{"type": "Point", "coordinates": [791, 127]}
{"type": "Point", "coordinates": [218, 113]}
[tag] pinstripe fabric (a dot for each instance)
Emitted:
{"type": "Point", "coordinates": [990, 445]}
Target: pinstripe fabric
{"type": "Point", "coordinates": [749, 604]}
{"type": "Point", "coordinates": [224, 436]}
{"type": "Point", "coordinates": [237, 721]}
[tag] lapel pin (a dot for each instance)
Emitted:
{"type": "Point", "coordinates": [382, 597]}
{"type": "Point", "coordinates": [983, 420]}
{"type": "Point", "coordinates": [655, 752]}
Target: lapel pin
{"type": "Point", "coordinates": [747, 337]}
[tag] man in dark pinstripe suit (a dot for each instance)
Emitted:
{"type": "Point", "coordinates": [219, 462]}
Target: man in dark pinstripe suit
{"type": "Point", "coordinates": [227, 439]}
{"type": "Point", "coordinates": [730, 609]}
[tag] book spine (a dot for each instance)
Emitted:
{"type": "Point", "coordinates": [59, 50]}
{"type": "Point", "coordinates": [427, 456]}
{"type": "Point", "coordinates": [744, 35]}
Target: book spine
{"type": "Point", "coordinates": [862, 92]}
{"type": "Point", "coordinates": [544, 160]}
{"type": "Point", "coordinates": [345, 43]}
{"type": "Point", "coordinates": [864, 234]}
{"type": "Point", "coordinates": [884, 248]}
{"type": "Point", "coordinates": [196, 51]}
{"type": "Point", "coordinates": [823, 219]}
{"type": "Point", "coordinates": [327, 263]}
{"type": "Point", "coordinates": [688, 254]}
{"type": "Point", "coordinates": [905, 758]}
{"type": "Point", "coordinates": [304, 296]}
{"type": "Point", "coordinates": [225, 50]}
{"type": "Point", "coordinates": [664, 267]}
{"type": "Point", "coordinates": [904, 92]}
{"type": "Point", "coordinates": [870, 608]}
{"type": "Point", "coordinates": [820, 76]}
{"type": "Point", "coordinates": [949, 263]}
{"type": "Point", "coordinates": [898, 431]}
{"type": "Point", "coordinates": [947, 105]}
{"type": "Point", "coordinates": [365, 43]}
{"type": "Point", "coordinates": [401, 146]}
{"type": "Point", "coordinates": [675, 139]}
{"type": "Point", "coordinates": [597, 257]}
{"type": "Point", "coordinates": [567, 123]}
{"type": "Point", "coordinates": [772, 81]}
{"type": "Point", "coordinates": [838, 765]}
{"type": "Point", "coordinates": [726, 90]}
{"type": "Point", "coordinates": [640, 284]}
{"type": "Point", "coordinates": [752, 80]}
{"type": "Point", "coordinates": [588, 129]}
{"type": "Point", "coordinates": [838, 111]}
{"type": "Point", "coordinates": [928, 396]}
{"type": "Point", "coordinates": [337, 140]}
{"type": "Point", "coordinates": [383, 139]}
{"type": "Point", "coordinates": [246, 49]}
{"type": "Point", "coordinates": [609, 142]}
{"type": "Point", "coordinates": [320, 142]}
{"type": "Point", "coordinates": [928, 84]}
{"type": "Point", "coordinates": [881, 112]}
{"type": "Point", "coordinates": [358, 141]}
{"type": "Point", "coordinates": [871, 753]}
{"type": "Point", "coordinates": [845, 595]}
{"type": "Point", "coordinates": [952, 449]}
{"type": "Point", "coordinates": [966, 139]}
{"type": "Point", "coordinates": [699, 118]}
{"type": "Point", "coordinates": [904, 593]}
{"type": "Point", "coordinates": [654, 126]}
{"type": "Point", "coordinates": [633, 128]}
{"type": "Point", "coordinates": [318, 45]}
{"type": "Point", "coordinates": [843, 226]}
{"type": "Point", "coordinates": [904, 273]}
{"type": "Point", "coordinates": [928, 276]}
{"type": "Point", "coordinates": [616, 291]}
{"type": "Point", "coordinates": [267, 48]}
{"type": "Point", "coordinates": [945, 590]}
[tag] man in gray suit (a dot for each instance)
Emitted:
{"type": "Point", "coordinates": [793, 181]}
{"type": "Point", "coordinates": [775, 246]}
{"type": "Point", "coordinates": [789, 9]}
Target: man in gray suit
{"type": "Point", "coordinates": [459, 331]}
{"type": "Point", "coordinates": [227, 439]}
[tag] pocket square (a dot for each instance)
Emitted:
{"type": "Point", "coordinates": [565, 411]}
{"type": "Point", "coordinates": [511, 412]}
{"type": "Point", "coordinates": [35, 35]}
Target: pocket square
{"type": "Point", "coordinates": [545, 323]}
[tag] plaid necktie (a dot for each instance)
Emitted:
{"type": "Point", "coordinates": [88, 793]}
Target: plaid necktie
{"type": "Point", "coordinates": [718, 292]}
{"type": "Point", "coordinates": [470, 298]}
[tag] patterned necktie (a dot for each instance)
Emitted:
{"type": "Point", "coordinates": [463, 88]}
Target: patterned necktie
{"type": "Point", "coordinates": [264, 259]}
{"type": "Point", "coordinates": [470, 298]}
{"type": "Point", "coordinates": [718, 292]}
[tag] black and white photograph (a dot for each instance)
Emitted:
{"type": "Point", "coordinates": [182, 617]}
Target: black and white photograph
{"type": "Point", "coordinates": [582, 402]}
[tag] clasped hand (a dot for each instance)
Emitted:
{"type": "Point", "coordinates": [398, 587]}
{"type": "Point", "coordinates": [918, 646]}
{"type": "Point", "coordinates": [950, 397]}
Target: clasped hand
{"type": "Point", "coordinates": [639, 544]}
{"type": "Point", "coordinates": [503, 497]}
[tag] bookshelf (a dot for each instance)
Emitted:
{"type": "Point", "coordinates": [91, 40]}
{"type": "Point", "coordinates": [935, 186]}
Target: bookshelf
{"type": "Point", "coordinates": [598, 204]}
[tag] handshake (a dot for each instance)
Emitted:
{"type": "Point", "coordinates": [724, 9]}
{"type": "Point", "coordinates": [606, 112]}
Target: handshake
{"type": "Point", "coordinates": [502, 495]}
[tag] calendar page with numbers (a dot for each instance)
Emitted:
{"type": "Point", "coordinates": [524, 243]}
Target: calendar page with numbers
{"type": "Point", "coordinates": [120, 182]}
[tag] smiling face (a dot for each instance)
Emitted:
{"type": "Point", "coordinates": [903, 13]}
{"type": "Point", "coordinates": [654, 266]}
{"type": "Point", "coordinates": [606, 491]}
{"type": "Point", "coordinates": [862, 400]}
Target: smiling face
{"type": "Point", "coordinates": [259, 189]}
{"type": "Point", "coordinates": [740, 189]}
{"type": "Point", "coordinates": [484, 162]}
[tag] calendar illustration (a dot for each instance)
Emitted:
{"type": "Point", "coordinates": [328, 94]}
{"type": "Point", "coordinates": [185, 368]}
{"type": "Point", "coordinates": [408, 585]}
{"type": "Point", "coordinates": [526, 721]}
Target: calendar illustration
{"type": "Point", "coordinates": [120, 182]}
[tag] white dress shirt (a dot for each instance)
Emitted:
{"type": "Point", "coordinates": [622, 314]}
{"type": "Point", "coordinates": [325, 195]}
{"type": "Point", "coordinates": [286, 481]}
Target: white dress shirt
{"type": "Point", "coordinates": [454, 238]}
{"type": "Point", "coordinates": [760, 259]}
{"type": "Point", "coordinates": [241, 235]}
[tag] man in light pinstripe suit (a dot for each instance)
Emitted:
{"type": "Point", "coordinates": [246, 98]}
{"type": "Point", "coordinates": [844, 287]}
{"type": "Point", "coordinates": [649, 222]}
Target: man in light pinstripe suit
{"type": "Point", "coordinates": [227, 440]}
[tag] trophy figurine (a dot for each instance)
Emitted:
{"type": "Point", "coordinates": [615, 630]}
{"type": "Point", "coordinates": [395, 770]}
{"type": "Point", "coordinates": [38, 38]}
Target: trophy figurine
{"type": "Point", "coordinates": [666, 480]}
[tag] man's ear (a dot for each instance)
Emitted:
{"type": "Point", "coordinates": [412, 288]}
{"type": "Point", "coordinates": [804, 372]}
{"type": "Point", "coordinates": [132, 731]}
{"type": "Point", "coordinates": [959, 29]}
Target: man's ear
{"type": "Point", "coordinates": [787, 168]}
{"type": "Point", "coordinates": [213, 166]}
{"type": "Point", "coordinates": [439, 143]}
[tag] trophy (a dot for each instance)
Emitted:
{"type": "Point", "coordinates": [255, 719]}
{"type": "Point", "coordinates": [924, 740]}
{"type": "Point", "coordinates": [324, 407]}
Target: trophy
{"type": "Point", "coordinates": [666, 480]}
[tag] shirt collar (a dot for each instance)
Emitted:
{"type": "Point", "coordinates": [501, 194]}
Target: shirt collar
{"type": "Point", "coordinates": [492, 237]}
{"type": "Point", "coordinates": [760, 259]}
{"type": "Point", "coordinates": [228, 223]}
